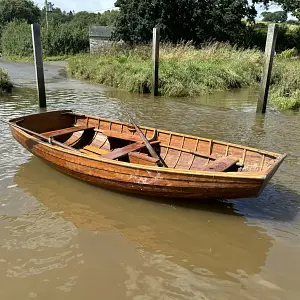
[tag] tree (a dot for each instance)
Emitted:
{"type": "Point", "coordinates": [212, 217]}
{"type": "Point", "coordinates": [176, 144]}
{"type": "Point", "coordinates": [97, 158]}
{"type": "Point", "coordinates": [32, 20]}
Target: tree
{"type": "Point", "coordinates": [277, 16]}
{"type": "Point", "coordinates": [109, 17]}
{"type": "Point", "coordinates": [292, 6]}
{"type": "Point", "coordinates": [57, 16]}
{"type": "Point", "coordinates": [11, 10]}
{"type": "Point", "coordinates": [84, 19]}
{"type": "Point", "coordinates": [182, 19]}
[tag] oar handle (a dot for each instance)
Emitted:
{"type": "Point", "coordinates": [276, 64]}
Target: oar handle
{"type": "Point", "coordinates": [153, 153]}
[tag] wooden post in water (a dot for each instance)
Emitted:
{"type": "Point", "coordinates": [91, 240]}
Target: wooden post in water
{"type": "Point", "coordinates": [38, 61]}
{"type": "Point", "coordinates": [267, 72]}
{"type": "Point", "coordinates": [155, 60]}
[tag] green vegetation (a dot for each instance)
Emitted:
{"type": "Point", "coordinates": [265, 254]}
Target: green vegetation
{"type": "Point", "coordinates": [67, 33]}
{"type": "Point", "coordinates": [292, 6]}
{"type": "Point", "coordinates": [187, 71]}
{"type": "Point", "coordinates": [181, 20]}
{"type": "Point", "coordinates": [187, 68]}
{"type": "Point", "coordinates": [5, 83]}
{"type": "Point", "coordinates": [276, 16]}
{"type": "Point", "coordinates": [286, 88]}
{"type": "Point", "coordinates": [184, 70]}
{"type": "Point", "coordinates": [18, 10]}
{"type": "Point", "coordinates": [16, 40]}
{"type": "Point", "coordinates": [288, 37]}
{"type": "Point", "coordinates": [59, 40]}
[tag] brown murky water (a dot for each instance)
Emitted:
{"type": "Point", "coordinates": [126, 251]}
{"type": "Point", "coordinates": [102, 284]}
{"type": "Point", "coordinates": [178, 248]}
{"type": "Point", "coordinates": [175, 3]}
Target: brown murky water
{"type": "Point", "coordinates": [64, 239]}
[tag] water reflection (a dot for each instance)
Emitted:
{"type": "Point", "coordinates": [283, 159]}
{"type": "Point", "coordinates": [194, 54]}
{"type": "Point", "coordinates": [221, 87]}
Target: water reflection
{"type": "Point", "coordinates": [277, 203]}
{"type": "Point", "coordinates": [195, 238]}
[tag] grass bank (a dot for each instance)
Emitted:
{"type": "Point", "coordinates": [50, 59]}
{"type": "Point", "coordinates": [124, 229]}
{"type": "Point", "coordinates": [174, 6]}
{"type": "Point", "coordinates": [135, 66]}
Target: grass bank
{"type": "Point", "coordinates": [186, 71]}
{"type": "Point", "coordinates": [285, 92]}
{"type": "Point", "coordinates": [5, 83]}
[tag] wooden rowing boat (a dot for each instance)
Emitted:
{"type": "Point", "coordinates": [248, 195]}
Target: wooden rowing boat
{"type": "Point", "coordinates": [112, 154]}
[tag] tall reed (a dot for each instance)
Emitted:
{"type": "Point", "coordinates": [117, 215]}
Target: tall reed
{"type": "Point", "coordinates": [184, 69]}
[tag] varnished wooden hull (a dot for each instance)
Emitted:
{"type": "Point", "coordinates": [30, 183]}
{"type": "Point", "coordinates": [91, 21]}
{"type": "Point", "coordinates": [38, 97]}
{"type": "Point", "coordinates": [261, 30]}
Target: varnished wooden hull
{"type": "Point", "coordinates": [146, 180]}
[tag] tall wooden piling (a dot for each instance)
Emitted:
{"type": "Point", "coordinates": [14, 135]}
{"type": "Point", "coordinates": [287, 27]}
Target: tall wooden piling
{"type": "Point", "coordinates": [267, 72]}
{"type": "Point", "coordinates": [38, 61]}
{"type": "Point", "coordinates": [155, 60]}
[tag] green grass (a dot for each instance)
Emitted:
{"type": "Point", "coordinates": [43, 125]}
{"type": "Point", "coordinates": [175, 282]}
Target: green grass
{"type": "Point", "coordinates": [285, 92]}
{"type": "Point", "coordinates": [5, 83]}
{"type": "Point", "coordinates": [184, 70]}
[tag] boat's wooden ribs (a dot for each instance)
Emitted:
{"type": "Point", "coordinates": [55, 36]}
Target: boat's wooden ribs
{"type": "Point", "coordinates": [143, 159]}
{"type": "Point", "coordinates": [117, 135]}
{"type": "Point", "coordinates": [194, 155]}
{"type": "Point", "coordinates": [180, 153]}
{"type": "Point", "coordinates": [200, 154]}
{"type": "Point", "coordinates": [179, 150]}
{"type": "Point", "coordinates": [262, 162]}
{"type": "Point", "coordinates": [227, 150]}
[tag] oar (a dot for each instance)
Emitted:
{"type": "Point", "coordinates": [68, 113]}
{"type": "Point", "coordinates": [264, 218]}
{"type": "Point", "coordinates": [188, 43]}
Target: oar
{"type": "Point", "coordinates": [41, 136]}
{"type": "Point", "coordinates": [153, 153]}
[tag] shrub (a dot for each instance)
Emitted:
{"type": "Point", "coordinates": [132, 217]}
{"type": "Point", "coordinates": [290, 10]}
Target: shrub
{"type": "Point", "coordinates": [16, 39]}
{"type": "Point", "coordinates": [184, 70]}
{"type": "Point", "coordinates": [60, 39]}
{"type": "Point", "coordinates": [256, 35]}
{"type": "Point", "coordinates": [5, 83]}
{"type": "Point", "coordinates": [286, 92]}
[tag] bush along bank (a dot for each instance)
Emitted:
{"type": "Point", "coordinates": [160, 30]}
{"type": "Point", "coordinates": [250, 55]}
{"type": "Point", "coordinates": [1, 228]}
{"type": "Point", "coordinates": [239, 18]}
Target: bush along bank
{"type": "Point", "coordinates": [5, 83]}
{"type": "Point", "coordinates": [187, 71]}
{"type": "Point", "coordinates": [285, 91]}
{"type": "Point", "coordinates": [184, 70]}
{"type": "Point", "coordinates": [59, 40]}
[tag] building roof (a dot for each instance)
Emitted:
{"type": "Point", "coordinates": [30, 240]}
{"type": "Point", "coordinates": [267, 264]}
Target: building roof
{"type": "Point", "coordinates": [101, 31]}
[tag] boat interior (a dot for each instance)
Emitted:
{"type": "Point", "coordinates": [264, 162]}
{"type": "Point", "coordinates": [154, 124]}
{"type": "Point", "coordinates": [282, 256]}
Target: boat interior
{"type": "Point", "coordinates": [102, 138]}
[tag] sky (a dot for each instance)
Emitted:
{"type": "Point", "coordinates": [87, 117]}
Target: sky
{"type": "Point", "coordinates": [79, 5]}
{"type": "Point", "coordinates": [101, 5]}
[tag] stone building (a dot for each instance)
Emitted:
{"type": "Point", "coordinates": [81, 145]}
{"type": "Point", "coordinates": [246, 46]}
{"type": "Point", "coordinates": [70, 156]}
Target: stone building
{"type": "Point", "coordinates": [100, 36]}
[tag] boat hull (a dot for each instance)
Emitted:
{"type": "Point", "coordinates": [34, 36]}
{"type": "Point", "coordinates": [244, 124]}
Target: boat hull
{"type": "Point", "coordinates": [151, 181]}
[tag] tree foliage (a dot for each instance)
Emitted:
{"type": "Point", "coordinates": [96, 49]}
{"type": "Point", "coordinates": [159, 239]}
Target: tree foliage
{"type": "Point", "coordinates": [67, 34]}
{"type": "Point", "coordinates": [109, 17]}
{"type": "Point", "coordinates": [292, 6]}
{"type": "Point", "coordinates": [11, 10]}
{"type": "Point", "coordinates": [57, 16]}
{"type": "Point", "coordinates": [59, 39]}
{"type": "Point", "coordinates": [82, 19]}
{"type": "Point", "coordinates": [182, 19]}
{"type": "Point", "coordinates": [277, 16]}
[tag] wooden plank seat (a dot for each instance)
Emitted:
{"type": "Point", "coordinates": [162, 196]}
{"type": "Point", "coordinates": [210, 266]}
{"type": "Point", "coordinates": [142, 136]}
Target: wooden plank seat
{"type": "Point", "coordinates": [56, 133]}
{"type": "Point", "coordinates": [121, 152]}
{"type": "Point", "coordinates": [221, 164]}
